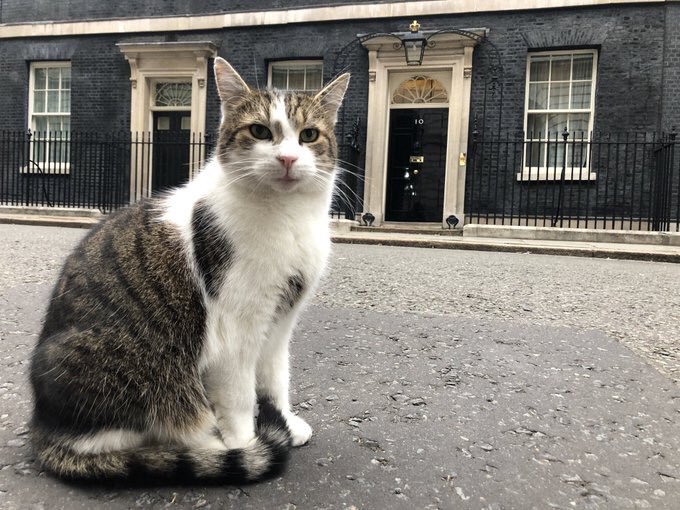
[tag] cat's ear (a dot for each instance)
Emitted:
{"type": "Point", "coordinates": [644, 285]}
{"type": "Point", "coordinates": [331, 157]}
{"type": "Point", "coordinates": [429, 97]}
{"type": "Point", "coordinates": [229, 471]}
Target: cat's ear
{"type": "Point", "coordinates": [229, 83]}
{"type": "Point", "coordinates": [331, 96]}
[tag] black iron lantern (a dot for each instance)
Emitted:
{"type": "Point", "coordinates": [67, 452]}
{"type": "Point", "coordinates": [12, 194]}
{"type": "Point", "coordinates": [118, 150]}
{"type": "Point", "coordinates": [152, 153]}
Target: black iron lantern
{"type": "Point", "coordinates": [414, 45]}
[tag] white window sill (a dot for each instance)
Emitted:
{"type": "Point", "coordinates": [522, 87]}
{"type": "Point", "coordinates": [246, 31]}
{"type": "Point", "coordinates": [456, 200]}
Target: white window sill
{"type": "Point", "coordinates": [551, 174]}
{"type": "Point", "coordinates": [50, 169]}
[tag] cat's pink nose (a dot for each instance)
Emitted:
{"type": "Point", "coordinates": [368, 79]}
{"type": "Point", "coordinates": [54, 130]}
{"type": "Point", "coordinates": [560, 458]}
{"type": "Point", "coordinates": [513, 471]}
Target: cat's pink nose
{"type": "Point", "coordinates": [287, 161]}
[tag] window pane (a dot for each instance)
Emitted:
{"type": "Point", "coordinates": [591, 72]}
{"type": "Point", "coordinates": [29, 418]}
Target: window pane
{"type": "Point", "coordinates": [536, 125]}
{"type": "Point", "coordinates": [54, 126]}
{"type": "Point", "coordinates": [557, 122]}
{"type": "Point", "coordinates": [296, 79]}
{"type": "Point", "coordinates": [578, 123]}
{"type": "Point", "coordinates": [66, 78]}
{"type": "Point", "coordinates": [39, 101]}
{"type": "Point", "coordinates": [52, 100]}
{"type": "Point", "coordinates": [173, 94]}
{"type": "Point", "coordinates": [535, 154]}
{"type": "Point", "coordinates": [38, 151]}
{"type": "Point", "coordinates": [279, 78]}
{"type": "Point", "coordinates": [313, 78]}
{"type": "Point", "coordinates": [53, 78]}
{"type": "Point", "coordinates": [580, 94]}
{"type": "Point", "coordinates": [163, 123]}
{"type": "Point", "coordinates": [559, 96]}
{"type": "Point", "coordinates": [577, 154]}
{"type": "Point", "coordinates": [65, 101]}
{"type": "Point", "coordinates": [538, 96]}
{"type": "Point", "coordinates": [40, 123]}
{"type": "Point", "coordinates": [540, 68]}
{"type": "Point", "coordinates": [561, 68]}
{"type": "Point", "coordinates": [583, 67]}
{"type": "Point", "coordinates": [61, 152]}
{"type": "Point", "coordinates": [555, 152]}
{"type": "Point", "coordinates": [40, 77]}
{"type": "Point", "coordinates": [66, 126]}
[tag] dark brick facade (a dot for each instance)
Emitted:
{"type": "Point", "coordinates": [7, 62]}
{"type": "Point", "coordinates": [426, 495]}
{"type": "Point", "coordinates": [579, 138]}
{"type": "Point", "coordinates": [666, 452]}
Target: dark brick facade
{"type": "Point", "coordinates": [21, 11]}
{"type": "Point", "coordinates": [638, 65]}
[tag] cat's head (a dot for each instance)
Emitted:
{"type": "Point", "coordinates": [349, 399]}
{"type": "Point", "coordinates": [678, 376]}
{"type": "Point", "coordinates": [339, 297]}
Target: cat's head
{"type": "Point", "coordinates": [277, 141]}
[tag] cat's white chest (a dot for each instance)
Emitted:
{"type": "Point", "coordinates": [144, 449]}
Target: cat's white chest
{"type": "Point", "coordinates": [256, 290]}
{"type": "Point", "coordinates": [266, 259]}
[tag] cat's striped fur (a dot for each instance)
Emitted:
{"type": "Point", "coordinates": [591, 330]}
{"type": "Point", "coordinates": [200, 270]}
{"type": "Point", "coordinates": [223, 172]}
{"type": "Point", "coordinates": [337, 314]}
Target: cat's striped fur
{"type": "Point", "coordinates": [172, 318]}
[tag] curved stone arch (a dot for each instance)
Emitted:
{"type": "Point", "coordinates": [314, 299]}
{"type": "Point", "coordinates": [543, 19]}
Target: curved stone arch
{"type": "Point", "coordinates": [420, 89]}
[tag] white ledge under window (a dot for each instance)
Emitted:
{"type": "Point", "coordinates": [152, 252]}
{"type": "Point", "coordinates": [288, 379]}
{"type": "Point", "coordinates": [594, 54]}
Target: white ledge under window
{"type": "Point", "coordinates": [555, 174]}
{"type": "Point", "coordinates": [47, 169]}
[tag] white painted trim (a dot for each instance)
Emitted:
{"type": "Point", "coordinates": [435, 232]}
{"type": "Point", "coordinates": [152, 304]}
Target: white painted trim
{"type": "Point", "coordinates": [353, 12]}
{"type": "Point", "coordinates": [534, 174]}
{"type": "Point", "coordinates": [52, 167]}
{"type": "Point", "coordinates": [549, 172]}
{"type": "Point", "coordinates": [153, 62]}
{"type": "Point", "coordinates": [42, 64]}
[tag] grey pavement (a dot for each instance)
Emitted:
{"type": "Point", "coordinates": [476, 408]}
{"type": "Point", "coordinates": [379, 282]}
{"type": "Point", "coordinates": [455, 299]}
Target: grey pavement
{"type": "Point", "coordinates": [432, 378]}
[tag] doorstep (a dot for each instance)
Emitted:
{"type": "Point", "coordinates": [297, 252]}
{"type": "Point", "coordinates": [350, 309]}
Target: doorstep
{"type": "Point", "coordinates": [646, 252]}
{"type": "Point", "coordinates": [573, 234]}
{"type": "Point", "coordinates": [434, 229]}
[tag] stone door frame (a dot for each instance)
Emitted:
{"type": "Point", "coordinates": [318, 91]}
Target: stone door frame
{"type": "Point", "coordinates": [151, 63]}
{"type": "Point", "coordinates": [453, 54]}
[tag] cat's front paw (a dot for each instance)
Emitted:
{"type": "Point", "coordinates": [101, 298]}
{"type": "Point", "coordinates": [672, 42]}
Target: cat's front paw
{"type": "Point", "coordinates": [237, 442]}
{"type": "Point", "coordinates": [236, 433]}
{"type": "Point", "coordinates": [300, 431]}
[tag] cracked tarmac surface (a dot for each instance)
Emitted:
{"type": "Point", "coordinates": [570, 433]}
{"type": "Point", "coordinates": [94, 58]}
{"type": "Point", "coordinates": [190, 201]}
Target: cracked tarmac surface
{"type": "Point", "coordinates": [421, 396]}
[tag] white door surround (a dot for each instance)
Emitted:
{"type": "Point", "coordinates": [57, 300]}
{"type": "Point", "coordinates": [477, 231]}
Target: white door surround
{"type": "Point", "coordinates": [450, 62]}
{"type": "Point", "coordinates": [151, 63]}
{"type": "Point", "coordinates": [167, 61]}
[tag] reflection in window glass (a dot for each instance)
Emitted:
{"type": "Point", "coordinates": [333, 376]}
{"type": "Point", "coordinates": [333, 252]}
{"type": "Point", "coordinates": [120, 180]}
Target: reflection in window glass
{"type": "Point", "coordinates": [296, 75]}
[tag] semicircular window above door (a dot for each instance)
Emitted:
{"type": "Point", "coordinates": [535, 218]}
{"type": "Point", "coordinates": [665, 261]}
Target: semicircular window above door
{"type": "Point", "coordinates": [420, 89]}
{"type": "Point", "coordinates": [173, 94]}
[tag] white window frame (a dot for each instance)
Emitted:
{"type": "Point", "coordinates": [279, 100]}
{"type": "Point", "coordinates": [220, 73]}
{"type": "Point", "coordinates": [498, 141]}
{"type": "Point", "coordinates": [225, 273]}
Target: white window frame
{"type": "Point", "coordinates": [310, 62]}
{"type": "Point", "coordinates": [53, 167]}
{"type": "Point", "coordinates": [548, 172]}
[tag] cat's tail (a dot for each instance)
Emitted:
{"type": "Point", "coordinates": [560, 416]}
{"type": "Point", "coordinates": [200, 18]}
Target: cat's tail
{"type": "Point", "coordinates": [265, 458]}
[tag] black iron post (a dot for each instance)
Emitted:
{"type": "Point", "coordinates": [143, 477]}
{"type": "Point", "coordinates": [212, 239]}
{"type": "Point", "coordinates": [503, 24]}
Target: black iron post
{"type": "Point", "coordinates": [558, 211]}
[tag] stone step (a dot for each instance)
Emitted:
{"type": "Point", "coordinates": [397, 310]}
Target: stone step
{"type": "Point", "coordinates": [423, 230]}
{"type": "Point", "coordinates": [50, 211]}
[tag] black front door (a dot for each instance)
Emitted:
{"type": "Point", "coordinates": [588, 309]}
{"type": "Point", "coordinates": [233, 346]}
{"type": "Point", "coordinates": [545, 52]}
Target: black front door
{"type": "Point", "coordinates": [416, 164]}
{"type": "Point", "coordinates": [170, 149]}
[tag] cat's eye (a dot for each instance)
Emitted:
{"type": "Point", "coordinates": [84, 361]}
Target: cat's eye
{"type": "Point", "coordinates": [260, 132]}
{"type": "Point", "coordinates": [309, 135]}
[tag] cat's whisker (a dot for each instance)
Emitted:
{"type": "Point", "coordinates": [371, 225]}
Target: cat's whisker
{"type": "Point", "coordinates": [347, 188]}
{"type": "Point", "coordinates": [345, 162]}
{"type": "Point", "coordinates": [342, 170]}
{"type": "Point", "coordinates": [338, 192]}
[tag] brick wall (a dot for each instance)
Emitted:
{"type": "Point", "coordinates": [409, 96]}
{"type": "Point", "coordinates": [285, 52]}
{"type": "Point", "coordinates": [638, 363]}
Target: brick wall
{"type": "Point", "coordinates": [671, 69]}
{"type": "Point", "coordinates": [17, 11]}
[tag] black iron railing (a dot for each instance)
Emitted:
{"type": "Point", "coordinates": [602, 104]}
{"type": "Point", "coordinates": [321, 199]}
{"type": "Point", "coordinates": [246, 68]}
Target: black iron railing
{"type": "Point", "coordinates": [102, 171]}
{"type": "Point", "coordinates": [604, 181]}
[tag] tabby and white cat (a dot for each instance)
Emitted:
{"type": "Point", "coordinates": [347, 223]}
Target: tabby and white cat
{"type": "Point", "coordinates": [172, 318]}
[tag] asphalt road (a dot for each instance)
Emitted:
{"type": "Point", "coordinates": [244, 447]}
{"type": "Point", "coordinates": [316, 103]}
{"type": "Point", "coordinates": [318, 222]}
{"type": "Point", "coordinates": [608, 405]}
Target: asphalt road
{"type": "Point", "coordinates": [433, 379]}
